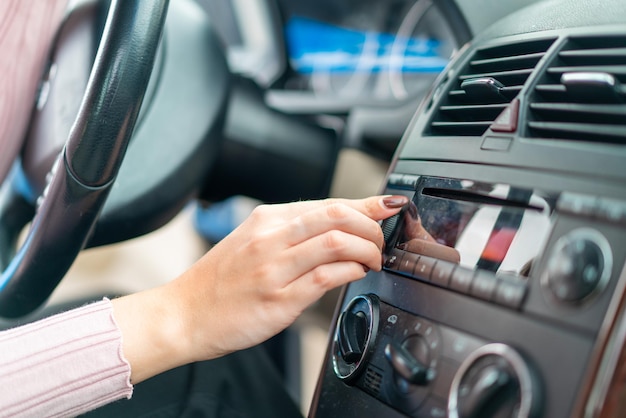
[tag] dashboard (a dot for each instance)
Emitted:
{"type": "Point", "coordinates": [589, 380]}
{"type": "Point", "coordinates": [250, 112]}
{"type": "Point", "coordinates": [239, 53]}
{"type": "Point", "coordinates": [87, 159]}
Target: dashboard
{"type": "Point", "coordinates": [504, 281]}
{"type": "Point", "coordinates": [357, 67]}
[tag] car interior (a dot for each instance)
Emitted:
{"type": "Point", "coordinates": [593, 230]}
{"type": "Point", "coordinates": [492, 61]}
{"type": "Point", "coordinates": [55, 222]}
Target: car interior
{"type": "Point", "coordinates": [503, 289]}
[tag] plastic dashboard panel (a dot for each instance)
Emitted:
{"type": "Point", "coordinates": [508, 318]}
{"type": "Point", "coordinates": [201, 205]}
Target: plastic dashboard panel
{"type": "Point", "coordinates": [558, 341]}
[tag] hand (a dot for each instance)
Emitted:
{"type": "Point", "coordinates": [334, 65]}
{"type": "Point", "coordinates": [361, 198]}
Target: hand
{"type": "Point", "coordinates": [255, 282]}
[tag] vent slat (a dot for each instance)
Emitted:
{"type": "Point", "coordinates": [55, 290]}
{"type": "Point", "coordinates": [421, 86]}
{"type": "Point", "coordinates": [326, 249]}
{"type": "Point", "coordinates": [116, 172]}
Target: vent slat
{"type": "Point", "coordinates": [498, 107]}
{"type": "Point", "coordinates": [551, 88]}
{"type": "Point", "coordinates": [619, 70]}
{"type": "Point", "coordinates": [590, 109]}
{"type": "Point", "coordinates": [615, 53]}
{"type": "Point", "coordinates": [508, 91]}
{"type": "Point", "coordinates": [581, 131]}
{"type": "Point", "coordinates": [584, 112]}
{"type": "Point", "coordinates": [469, 109]}
{"type": "Point", "coordinates": [515, 62]}
{"type": "Point", "coordinates": [499, 74]}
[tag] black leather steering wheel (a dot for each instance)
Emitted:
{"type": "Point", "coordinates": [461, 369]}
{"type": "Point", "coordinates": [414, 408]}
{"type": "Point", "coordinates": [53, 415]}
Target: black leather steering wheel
{"type": "Point", "coordinates": [85, 171]}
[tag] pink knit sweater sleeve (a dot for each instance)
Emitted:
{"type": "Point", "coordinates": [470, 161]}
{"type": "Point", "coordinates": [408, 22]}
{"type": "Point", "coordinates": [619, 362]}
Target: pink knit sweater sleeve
{"type": "Point", "coordinates": [64, 365]}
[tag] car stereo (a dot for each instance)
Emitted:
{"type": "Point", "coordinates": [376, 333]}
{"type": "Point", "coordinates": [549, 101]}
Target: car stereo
{"type": "Point", "coordinates": [503, 282]}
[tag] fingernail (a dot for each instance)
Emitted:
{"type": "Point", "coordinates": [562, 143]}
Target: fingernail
{"type": "Point", "coordinates": [395, 201]}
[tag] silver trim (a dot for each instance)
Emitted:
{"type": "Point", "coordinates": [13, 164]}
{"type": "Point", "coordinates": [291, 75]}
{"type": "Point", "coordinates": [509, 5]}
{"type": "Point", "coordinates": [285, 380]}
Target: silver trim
{"type": "Point", "coordinates": [514, 359]}
{"type": "Point", "coordinates": [371, 336]}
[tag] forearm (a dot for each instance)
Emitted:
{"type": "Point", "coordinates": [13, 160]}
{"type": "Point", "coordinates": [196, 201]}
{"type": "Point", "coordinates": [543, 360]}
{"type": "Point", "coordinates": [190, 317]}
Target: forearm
{"type": "Point", "coordinates": [63, 365]}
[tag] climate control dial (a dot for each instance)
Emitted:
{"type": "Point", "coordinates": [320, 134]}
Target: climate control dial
{"type": "Point", "coordinates": [493, 382]}
{"type": "Point", "coordinates": [355, 335]}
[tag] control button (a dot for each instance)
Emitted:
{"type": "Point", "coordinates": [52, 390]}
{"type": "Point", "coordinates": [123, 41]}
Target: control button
{"type": "Point", "coordinates": [510, 293]}
{"type": "Point", "coordinates": [409, 181]}
{"type": "Point", "coordinates": [393, 259]}
{"type": "Point", "coordinates": [611, 210]}
{"type": "Point", "coordinates": [507, 120]}
{"type": "Point", "coordinates": [424, 267]}
{"type": "Point", "coordinates": [441, 273]}
{"type": "Point", "coordinates": [461, 279]}
{"type": "Point", "coordinates": [404, 181]}
{"type": "Point", "coordinates": [408, 263]}
{"type": "Point", "coordinates": [484, 285]}
{"type": "Point", "coordinates": [395, 179]}
{"type": "Point", "coordinates": [577, 204]}
{"type": "Point", "coordinates": [579, 264]}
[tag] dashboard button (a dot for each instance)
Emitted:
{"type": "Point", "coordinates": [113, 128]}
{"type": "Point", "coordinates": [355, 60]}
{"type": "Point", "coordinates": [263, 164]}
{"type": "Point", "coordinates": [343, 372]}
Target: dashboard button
{"type": "Point", "coordinates": [395, 179]}
{"type": "Point", "coordinates": [424, 267]}
{"type": "Point", "coordinates": [484, 285]}
{"type": "Point", "coordinates": [611, 210]}
{"type": "Point", "coordinates": [577, 204]}
{"type": "Point", "coordinates": [408, 263]}
{"type": "Point", "coordinates": [393, 260]}
{"type": "Point", "coordinates": [409, 181]}
{"type": "Point", "coordinates": [442, 272]}
{"type": "Point", "coordinates": [509, 293]}
{"type": "Point", "coordinates": [462, 279]}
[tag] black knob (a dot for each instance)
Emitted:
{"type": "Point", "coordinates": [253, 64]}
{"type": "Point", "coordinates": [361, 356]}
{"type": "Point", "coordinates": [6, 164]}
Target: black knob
{"type": "Point", "coordinates": [579, 264]}
{"type": "Point", "coordinates": [493, 382]}
{"type": "Point", "coordinates": [491, 390]}
{"type": "Point", "coordinates": [355, 335]}
{"type": "Point", "coordinates": [407, 360]}
{"type": "Point", "coordinates": [352, 335]}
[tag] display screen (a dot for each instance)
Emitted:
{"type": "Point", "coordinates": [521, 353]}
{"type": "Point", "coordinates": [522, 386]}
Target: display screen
{"type": "Point", "coordinates": [494, 227]}
{"type": "Point", "coordinates": [369, 49]}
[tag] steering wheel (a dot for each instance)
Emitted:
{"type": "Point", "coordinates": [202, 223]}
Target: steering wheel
{"type": "Point", "coordinates": [85, 170]}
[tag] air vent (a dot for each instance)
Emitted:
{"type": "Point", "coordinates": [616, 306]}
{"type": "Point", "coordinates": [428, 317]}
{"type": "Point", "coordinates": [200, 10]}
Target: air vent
{"type": "Point", "coordinates": [582, 94]}
{"type": "Point", "coordinates": [490, 80]}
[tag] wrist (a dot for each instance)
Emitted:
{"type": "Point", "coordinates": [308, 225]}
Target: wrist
{"type": "Point", "coordinates": [153, 334]}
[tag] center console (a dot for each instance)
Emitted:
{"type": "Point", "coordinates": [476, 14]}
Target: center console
{"type": "Point", "coordinates": [502, 289]}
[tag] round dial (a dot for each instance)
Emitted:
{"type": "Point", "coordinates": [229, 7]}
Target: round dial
{"type": "Point", "coordinates": [413, 361]}
{"type": "Point", "coordinates": [580, 265]}
{"type": "Point", "coordinates": [355, 335]}
{"type": "Point", "coordinates": [493, 382]}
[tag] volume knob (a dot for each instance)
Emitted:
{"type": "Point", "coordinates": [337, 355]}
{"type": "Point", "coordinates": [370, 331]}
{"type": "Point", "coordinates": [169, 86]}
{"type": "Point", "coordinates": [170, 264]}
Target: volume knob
{"type": "Point", "coordinates": [580, 264]}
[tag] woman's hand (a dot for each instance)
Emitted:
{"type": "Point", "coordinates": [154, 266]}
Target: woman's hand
{"type": "Point", "coordinates": [255, 282]}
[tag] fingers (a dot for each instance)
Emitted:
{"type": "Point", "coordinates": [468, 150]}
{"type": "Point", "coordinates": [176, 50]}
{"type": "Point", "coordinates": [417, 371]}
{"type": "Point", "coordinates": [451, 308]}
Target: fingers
{"type": "Point", "coordinates": [330, 247]}
{"type": "Point", "coordinates": [339, 217]}
{"type": "Point", "coordinates": [314, 284]}
{"type": "Point", "coordinates": [375, 207]}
